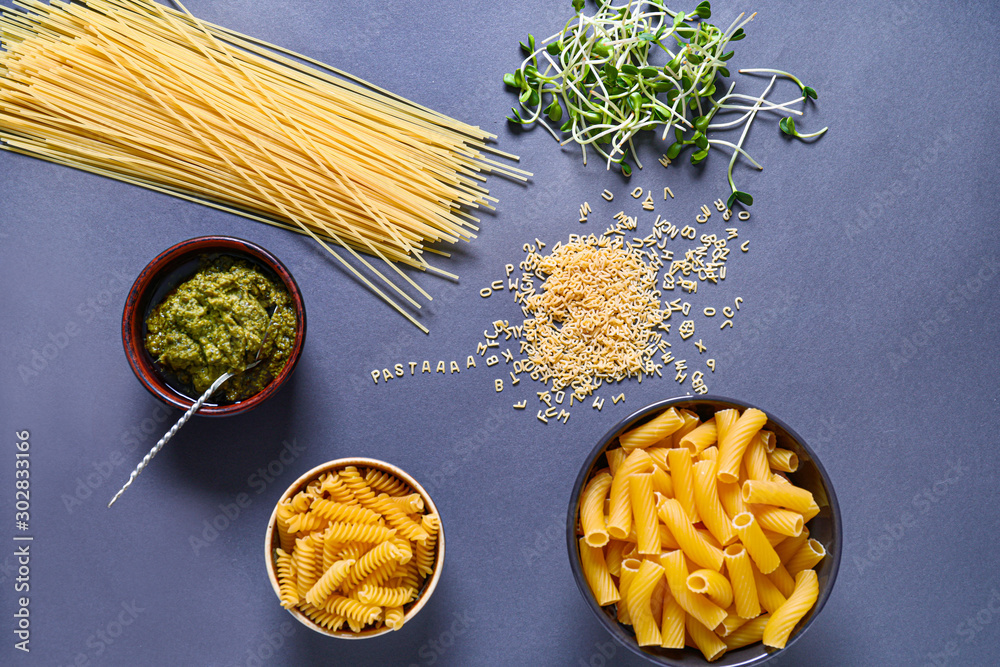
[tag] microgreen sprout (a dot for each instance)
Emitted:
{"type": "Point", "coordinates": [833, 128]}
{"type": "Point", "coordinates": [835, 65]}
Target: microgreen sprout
{"type": "Point", "coordinates": [787, 126]}
{"type": "Point", "coordinates": [642, 66]}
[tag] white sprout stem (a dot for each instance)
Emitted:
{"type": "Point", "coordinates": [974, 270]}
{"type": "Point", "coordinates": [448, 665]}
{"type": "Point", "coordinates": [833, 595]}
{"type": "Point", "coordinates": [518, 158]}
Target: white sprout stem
{"type": "Point", "coordinates": [720, 142]}
{"type": "Point", "coordinates": [746, 128]}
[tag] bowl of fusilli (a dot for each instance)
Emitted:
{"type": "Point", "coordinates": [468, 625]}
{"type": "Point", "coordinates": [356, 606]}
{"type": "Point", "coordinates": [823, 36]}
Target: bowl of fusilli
{"type": "Point", "coordinates": [354, 548]}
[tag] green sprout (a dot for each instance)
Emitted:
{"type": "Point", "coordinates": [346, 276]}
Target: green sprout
{"type": "Point", "coordinates": [641, 67]}
{"type": "Point", "coordinates": [787, 126]}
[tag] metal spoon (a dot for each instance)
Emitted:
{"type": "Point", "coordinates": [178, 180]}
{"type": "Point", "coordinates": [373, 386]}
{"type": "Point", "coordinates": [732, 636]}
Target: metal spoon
{"type": "Point", "coordinates": [193, 409]}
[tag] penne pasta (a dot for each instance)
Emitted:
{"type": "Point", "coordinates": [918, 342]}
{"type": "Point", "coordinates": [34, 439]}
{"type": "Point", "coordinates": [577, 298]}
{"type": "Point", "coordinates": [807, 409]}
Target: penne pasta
{"type": "Point", "coordinates": [703, 436]}
{"type": "Point", "coordinates": [592, 509]}
{"type": "Point", "coordinates": [767, 593]}
{"type": "Point", "coordinates": [783, 460]}
{"type": "Point", "coordinates": [782, 580]}
{"type": "Point", "coordinates": [662, 483]}
{"type": "Point", "coordinates": [695, 546]}
{"type": "Point", "coordinates": [706, 498]}
{"type": "Point", "coordinates": [781, 494]}
{"type": "Point", "coordinates": [712, 585]}
{"type": "Point", "coordinates": [709, 643]}
{"type": "Point", "coordinates": [620, 513]}
{"type": "Point", "coordinates": [798, 604]}
{"type": "Point", "coordinates": [737, 437]}
{"type": "Point", "coordinates": [755, 459]}
{"type": "Point", "coordinates": [637, 600]}
{"type": "Point", "coordinates": [682, 476]}
{"type": "Point", "coordinates": [731, 623]}
{"type": "Point", "coordinates": [653, 431]}
{"type": "Point", "coordinates": [691, 422]}
{"type": "Point", "coordinates": [595, 570]}
{"type": "Point", "coordinates": [808, 555]}
{"type": "Point", "coordinates": [778, 520]}
{"type": "Point", "coordinates": [676, 571]}
{"type": "Point", "coordinates": [760, 550]}
{"type": "Point", "coordinates": [647, 526]}
{"type": "Point", "coordinates": [742, 580]}
{"type": "Point", "coordinates": [750, 632]}
{"type": "Point", "coordinates": [672, 618]}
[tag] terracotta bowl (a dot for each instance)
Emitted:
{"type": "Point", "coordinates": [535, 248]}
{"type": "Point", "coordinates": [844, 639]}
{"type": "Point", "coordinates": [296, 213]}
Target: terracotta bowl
{"type": "Point", "coordinates": [169, 269]}
{"type": "Point", "coordinates": [271, 544]}
{"type": "Point", "coordinates": [825, 527]}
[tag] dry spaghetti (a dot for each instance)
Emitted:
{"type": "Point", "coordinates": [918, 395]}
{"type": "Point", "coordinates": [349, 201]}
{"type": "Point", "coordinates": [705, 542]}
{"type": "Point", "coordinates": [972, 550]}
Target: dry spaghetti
{"type": "Point", "coordinates": [135, 91]}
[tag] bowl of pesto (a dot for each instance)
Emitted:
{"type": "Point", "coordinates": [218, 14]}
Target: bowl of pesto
{"type": "Point", "coordinates": [203, 308]}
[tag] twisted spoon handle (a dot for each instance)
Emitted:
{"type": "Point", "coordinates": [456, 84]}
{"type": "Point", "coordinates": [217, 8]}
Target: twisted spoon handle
{"type": "Point", "coordinates": [169, 434]}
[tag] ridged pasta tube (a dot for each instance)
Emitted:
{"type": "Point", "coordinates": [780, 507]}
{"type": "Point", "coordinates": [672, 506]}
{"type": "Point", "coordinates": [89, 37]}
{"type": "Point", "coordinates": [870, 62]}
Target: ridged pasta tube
{"type": "Point", "coordinates": [647, 526]}
{"type": "Point", "coordinates": [755, 459]}
{"type": "Point", "coordinates": [778, 520]}
{"type": "Point", "coordinates": [592, 520]}
{"type": "Point", "coordinates": [703, 436]}
{"type": "Point", "coordinates": [695, 546]}
{"type": "Point", "coordinates": [779, 494]}
{"type": "Point", "coordinates": [734, 443]}
{"type": "Point", "coordinates": [750, 632]}
{"type": "Point", "coordinates": [756, 543]}
{"type": "Point", "coordinates": [653, 431]}
{"type": "Point", "coordinates": [676, 570]}
{"type": "Point", "coordinates": [742, 580]}
{"type": "Point", "coordinates": [712, 585]}
{"type": "Point", "coordinates": [672, 617]}
{"type": "Point", "coordinates": [706, 499]}
{"type": "Point", "coordinates": [620, 512]}
{"type": "Point", "coordinates": [682, 477]}
{"type": "Point", "coordinates": [807, 556]}
{"type": "Point", "coordinates": [709, 643]}
{"type": "Point", "coordinates": [798, 604]}
{"type": "Point", "coordinates": [595, 571]}
{"type": "Point", "coordinates": [637, 599]}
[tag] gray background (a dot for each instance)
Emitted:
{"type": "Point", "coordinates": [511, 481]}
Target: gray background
{"type": "Point", "coordinates": [869, 324]}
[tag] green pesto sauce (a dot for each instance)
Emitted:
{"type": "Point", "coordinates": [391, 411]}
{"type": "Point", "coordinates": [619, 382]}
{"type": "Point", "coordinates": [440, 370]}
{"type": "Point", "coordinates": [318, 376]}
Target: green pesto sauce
{"type": "Point", "coordinates": [214, 323]}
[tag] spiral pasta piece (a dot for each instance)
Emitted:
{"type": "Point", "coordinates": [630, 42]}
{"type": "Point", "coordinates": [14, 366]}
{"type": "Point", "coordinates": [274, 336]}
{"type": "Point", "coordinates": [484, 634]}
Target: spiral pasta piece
{"type": "Point", "coordinates": [353, 609]}
{"type": "Point", "coordinates": [305, 523]}
{"type": "Point", "coordinates": [411, 504]}
{"type": "Point", "coordinates": [329, 582]}
{"type": "Point", "coordinates": [386, 483]}
{"type": "Point", "coordinates": [322, 617]}
{"type": "Point", "coordinates": [386, 597]}
{"type": "Point", "coordinates": [425, 552]}
{"type": "Point", "coordinates": [394, 618]}
{"type": "Point", "coordinates": [397, 518]}
{"type": "Point", "coordinates": [304, 556]}
{"type": "Point", "coordinates": [335, 511]}
{"type": "Point", "coordinates": [380, 555]}
{"type": "Point", "coordinates": [353, 480]}
{"type": "Point", "coordinates": [283, 515]}
{"type": "Point", "coordinates": [337, 490]}
{"type": "Point", "coordinates": [289, 593]}
{"type": "Point", "coordinates": [359, 532]}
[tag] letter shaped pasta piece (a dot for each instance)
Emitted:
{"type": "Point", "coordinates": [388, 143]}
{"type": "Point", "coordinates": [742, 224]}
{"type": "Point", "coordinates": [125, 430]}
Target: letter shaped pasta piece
{"type": "Point", "coordinates": [777, 493]}
{"type": "Point", "coordinates": [676, 571]}
{"type": "Point", "coordinates": [706, 498]}
{"type": "Point", "coordinates": [735, 441]}
{"type": "Point", "coordinates": [647, 526]}
{"type": "Point", "coordinates": [709, 643]}
{"type": "Point", "coordinates": [653, 431]}
{"type": "Point", "coordinates": [752, 537]}
{"type": "Point", "coordinates": [595, 570]}
{"type": "Point", "coordinates": [695, 546]}
{"type": "Point", "coordinates": [592, 509]}
{"type": "Point", "coordinates": [620, 512]}
{"type": "Point", "coordinates": [682, 477]}
{"type": "Point", "coordinates": [637, 599]}
{"type": "Point", "coordinates": [798, 604]}
{"type": "Point", "coordinates": [700, 438]}
{"type": "Point", "coordinates": [742, 580]}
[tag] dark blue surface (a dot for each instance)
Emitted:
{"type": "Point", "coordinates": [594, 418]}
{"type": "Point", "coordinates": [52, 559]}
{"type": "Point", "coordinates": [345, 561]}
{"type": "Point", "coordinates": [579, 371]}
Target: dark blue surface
{"type": "Point", "coordinates": [869, 322]}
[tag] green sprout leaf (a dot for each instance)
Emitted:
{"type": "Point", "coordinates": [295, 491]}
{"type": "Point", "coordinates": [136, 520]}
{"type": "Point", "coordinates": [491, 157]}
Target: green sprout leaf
{"type": "Point", "coordinates": [578, 5]}
{"type": "Point", "coordinates": [554, 48]}
{"type": "Point", "coordinates": [510, 80]}
{"type": "Point", "coordinates": [787, 126]}
{"type": "Point", "coordinates": [554, 112]}
{"type": "Point", "coordinates": [627, 170]}
{"type": "Point", "coordinates": [738, 35]}
{"type": "Point", "coordinates": [698, 156]}
{"type": "Point", "coordinates": [704, 10]}
{"type": "Point", "coordinates": [700, 140]}
{"type": "Point", "coordinates": [810, 92]}
{"type": "Point", "coordinates": [701, 123]}
{"type": "Point", "coordinates": [744, 198]}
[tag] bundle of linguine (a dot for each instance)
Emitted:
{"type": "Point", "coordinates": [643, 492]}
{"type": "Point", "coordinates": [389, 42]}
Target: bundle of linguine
{"type": "Point", "coordinates": [155, 97]}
